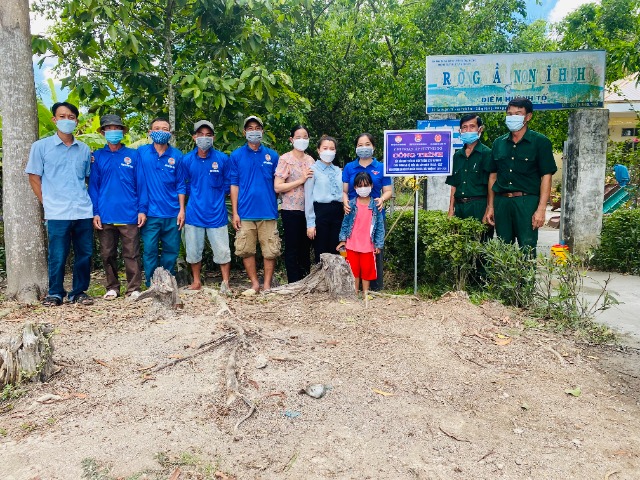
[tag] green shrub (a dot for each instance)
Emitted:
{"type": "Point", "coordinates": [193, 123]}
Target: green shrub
{"type": "Point", "coordinates": [447, 248]}
{"type": "Point", "coordinates": [509, 273]}
{"type": "Point", "coordinates": [559, 298]}
{"type": "Point", "coordinates": [619, 248]}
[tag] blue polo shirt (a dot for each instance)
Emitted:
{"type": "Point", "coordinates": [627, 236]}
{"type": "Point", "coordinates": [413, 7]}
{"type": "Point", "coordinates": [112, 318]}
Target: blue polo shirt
{"type": "Point", "coordinates": [208, 181]}
{"type": "Point", "coordinates": [253, 173]}
{"type": "Point", "coordinates": [162, 181]}
{"type": "Point", "coordinates": [63, 171]}
{"type": "Point", "coordinates": [113, 185]}
{"type": "Point", "coordinates": [375, 169]}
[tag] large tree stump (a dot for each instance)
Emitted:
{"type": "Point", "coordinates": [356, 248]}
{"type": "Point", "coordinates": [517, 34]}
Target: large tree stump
{"type": "Point", "coordinates": [164, 289]}
{"type": "Point", "coordinates": [332, 275]}
{"type": "Point", "coordinates": [27, 356]}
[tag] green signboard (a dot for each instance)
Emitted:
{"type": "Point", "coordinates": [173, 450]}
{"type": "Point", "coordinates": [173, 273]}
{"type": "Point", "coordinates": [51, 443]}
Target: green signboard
{"type": "Point", "coordinates": [486, 83]}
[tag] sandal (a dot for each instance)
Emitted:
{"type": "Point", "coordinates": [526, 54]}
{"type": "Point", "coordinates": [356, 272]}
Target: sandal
{"type": "Point", "coordinates": [82, 299]}
{"type": "Point", "coordinates": [110, 295]}
{"type": "Point", "coordinates": [52, 301]}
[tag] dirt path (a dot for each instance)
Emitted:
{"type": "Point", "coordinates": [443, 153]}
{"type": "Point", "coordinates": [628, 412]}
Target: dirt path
{"type": "Point", "coordinates": [432, 390]}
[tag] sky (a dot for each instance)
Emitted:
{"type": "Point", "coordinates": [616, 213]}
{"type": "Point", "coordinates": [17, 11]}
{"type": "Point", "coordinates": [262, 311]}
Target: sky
{"type": "Point", "coordinates": [550, 10]}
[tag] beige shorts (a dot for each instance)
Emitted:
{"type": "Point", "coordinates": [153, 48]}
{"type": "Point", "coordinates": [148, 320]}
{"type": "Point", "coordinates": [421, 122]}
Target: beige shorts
{"type": "Point", "coordinates": [264, 231]}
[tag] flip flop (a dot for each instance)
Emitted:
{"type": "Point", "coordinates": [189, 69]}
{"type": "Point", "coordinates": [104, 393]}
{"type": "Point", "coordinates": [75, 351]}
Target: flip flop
{"type": "Point", "coordinates": [82, 299]}
{"type": "Point", "coordinates": [52, 301]}
{"type": "Point", "coordinates": [110, 295]}
{"type": "Point", "coordinates": [249, 292]}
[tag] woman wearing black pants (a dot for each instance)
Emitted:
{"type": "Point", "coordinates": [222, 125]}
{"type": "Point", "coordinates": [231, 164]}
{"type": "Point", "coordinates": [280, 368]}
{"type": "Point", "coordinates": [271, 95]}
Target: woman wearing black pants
{"type": "Point", "coordinates": [293, 170]}
{"type": "Point", "coordinates": [323, 200]}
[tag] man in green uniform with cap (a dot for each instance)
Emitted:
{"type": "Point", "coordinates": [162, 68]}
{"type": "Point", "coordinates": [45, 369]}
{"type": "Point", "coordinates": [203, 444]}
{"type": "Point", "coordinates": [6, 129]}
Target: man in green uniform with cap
{"type": "Point", "coordinates": [470, 174]}
{"type": "Point", "coordinates": [521, 167]}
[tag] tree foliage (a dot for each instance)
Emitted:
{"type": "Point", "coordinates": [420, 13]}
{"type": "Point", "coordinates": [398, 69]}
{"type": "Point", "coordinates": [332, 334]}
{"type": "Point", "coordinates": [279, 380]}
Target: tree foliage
{"type": "Point", "coordinates": [143, 59]}
{"type": "Point", "coordinates": [341, 66]}
{"type": "Point", "coordinates": [612, 25]}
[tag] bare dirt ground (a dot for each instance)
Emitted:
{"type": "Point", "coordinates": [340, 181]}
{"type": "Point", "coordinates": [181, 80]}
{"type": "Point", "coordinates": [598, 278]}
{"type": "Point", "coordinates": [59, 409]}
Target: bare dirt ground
{"type": "Point", "coordinates": [416, 389]}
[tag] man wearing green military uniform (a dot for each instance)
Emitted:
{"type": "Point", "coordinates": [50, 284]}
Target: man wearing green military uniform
{"type": "Point", "coordinates": [470, 174]}
{"type": "Point", "coordinates": [521, 167]}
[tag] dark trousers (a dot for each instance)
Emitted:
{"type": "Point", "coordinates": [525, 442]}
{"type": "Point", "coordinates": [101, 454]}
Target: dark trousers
{"type": "Point", "coordinates": [62, 234]}
{"type": "Point", "coordinates": [474, 209]}
{"type": "Point", "coordinates": [297, 246]}
{"type": "Point", "coordinates": [328, 222]}
{"type": "Point", "coordinates": [513, 221]}
{"type": "Point", "coordinates": [109, 237]}
{"type": "Point", "coordinates": [153, 232]}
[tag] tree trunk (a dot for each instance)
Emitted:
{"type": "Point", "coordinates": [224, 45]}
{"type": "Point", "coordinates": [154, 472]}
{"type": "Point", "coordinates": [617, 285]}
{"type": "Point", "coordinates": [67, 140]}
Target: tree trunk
{"type": "Point", "coordinates": [168, 60]}
{"type": "Point", "coordinates": [332, 275]}
{"type": "Point", "coordinates": [23, 230]}
{"type": "Point", "coordinates": [27, 356]}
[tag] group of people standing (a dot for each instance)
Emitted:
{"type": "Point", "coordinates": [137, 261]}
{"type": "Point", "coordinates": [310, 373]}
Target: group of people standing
{"type": "Point", "coordinates": [154, 192]}
{"type": "Point", "coordinates": [506, 186]}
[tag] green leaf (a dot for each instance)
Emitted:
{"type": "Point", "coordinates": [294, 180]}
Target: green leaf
{"type": "Point", "coordinates": [576, 392]}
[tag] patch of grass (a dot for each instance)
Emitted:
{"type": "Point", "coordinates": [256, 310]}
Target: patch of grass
{"type": "Point", "coordinates": [96, 290]}
{"type": "Point", "coordinates": [531, 323]}
{"type": "Point", "coordinates": [190, 463]}
{"type": "Point", "coordinates": [11, 392]}
{"type": "Point", "coordinates": [3, 432]}
{"type": "Point", "coordinates": [28, 426]}
{"type": "Point", "coordinates": [478, 297]}
{"type": "Point", "coordinates": [91, 470]}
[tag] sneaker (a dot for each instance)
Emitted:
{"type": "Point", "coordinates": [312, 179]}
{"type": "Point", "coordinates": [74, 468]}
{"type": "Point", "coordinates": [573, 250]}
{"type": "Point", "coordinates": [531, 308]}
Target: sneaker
{"type": "Point", "coordinates": [134, 295]}
{"type": "Point", "coordinates": [110, 295]}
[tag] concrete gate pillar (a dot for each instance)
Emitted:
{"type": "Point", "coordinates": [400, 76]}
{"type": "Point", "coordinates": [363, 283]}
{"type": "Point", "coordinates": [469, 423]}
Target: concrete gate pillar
{"type": "Point", "coordinates": [583, 175]}
{"type": "Point", "coordinates": [436, 192]}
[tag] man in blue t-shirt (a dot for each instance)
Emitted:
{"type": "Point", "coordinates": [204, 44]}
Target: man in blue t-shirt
{"type": "Point", "coordinates": [253, 200]}
{"type": "Point", "coordinates": [113, 188]}
{"type": "Point", "coordinates": [58, 168]}
{"type": "Point", "coordinates": [163, 198]}
{"type": "Point", "coordinates": [206, 171]}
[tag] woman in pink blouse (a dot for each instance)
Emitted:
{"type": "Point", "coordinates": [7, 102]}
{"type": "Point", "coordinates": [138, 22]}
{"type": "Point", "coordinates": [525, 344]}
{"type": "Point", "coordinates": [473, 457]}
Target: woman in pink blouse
{"type": "Point", "coordinates": [294, 168]}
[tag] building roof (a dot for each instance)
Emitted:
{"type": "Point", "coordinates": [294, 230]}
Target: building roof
{"type": "Point", "coordinates": [624, 90]}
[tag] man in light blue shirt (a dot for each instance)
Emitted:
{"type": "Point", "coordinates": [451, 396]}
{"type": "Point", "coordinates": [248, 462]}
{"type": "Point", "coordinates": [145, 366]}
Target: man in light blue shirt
{"type": "Point", "coordinates": [58, 168]}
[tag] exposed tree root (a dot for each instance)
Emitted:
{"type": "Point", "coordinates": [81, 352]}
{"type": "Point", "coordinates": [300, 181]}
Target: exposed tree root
{"type": "Point", "coordinates": [332, 275]}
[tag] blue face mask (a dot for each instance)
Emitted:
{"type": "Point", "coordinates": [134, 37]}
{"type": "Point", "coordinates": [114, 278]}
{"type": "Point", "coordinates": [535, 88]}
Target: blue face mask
{"type": "Point", "coordinates": [114, 136]}
{"type": "Point", "coordinates": [66, 126]}
{"type": "Point", "coordinates": [514, 122]}
{"type": "Point", "coordinates": [469, 137]}
{"type": "Point", "coordinates": [364, 152]}
{"type": "Point", "coordinates": [253, 136]}
{"type": "Point", "coordinates": [160, 137]}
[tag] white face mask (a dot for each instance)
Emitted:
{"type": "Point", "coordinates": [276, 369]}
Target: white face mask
{"type": "Point", "coordinates": [514, 122]}
{"type": "Point", "coordinates": [363, 191]}
{"type": "Point", "coordinates": [301, 144]}
{"type": "Point", "coordinates": [327, 156]}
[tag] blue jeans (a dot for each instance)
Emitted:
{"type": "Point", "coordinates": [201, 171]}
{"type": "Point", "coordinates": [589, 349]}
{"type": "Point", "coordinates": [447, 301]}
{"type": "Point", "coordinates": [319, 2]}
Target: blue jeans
{"type": "Point", "coordinates": [157, 230]}
{"type": "Point", "coordinates": [62, 234]}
